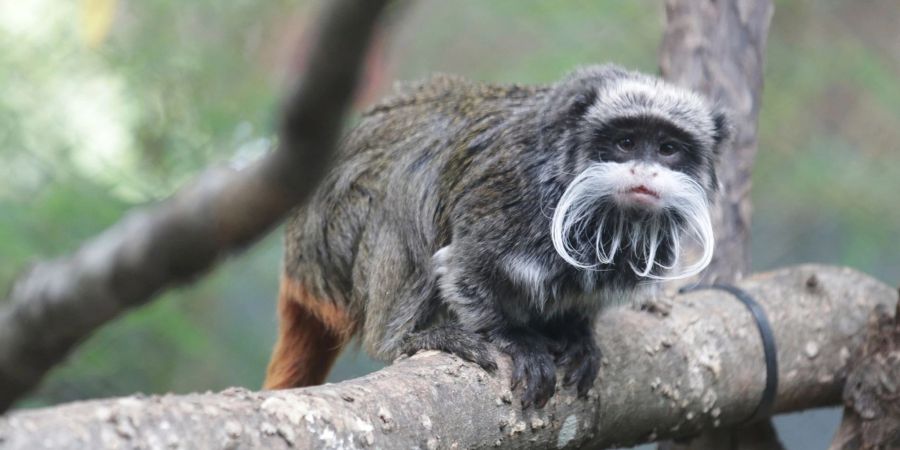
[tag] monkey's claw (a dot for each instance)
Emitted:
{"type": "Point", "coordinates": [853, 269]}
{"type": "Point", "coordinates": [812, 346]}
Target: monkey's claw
{"type": "Point", "coordinates": [577, 354]}
{"type": "Point", "coordinates": [451, 338]}
{"type": "Point", "coordinates": [533, 368]}
{"type": "Point", "coordinates": [581, 361]}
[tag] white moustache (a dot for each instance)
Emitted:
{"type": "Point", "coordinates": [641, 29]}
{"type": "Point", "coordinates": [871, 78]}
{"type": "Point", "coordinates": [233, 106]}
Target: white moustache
{"type": "Point", "coordinates": [608, 190]}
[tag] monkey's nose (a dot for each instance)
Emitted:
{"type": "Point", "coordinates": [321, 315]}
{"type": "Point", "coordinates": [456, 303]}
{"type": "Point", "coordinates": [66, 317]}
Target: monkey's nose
{"type": "Point", "coordinates": [643, 170]}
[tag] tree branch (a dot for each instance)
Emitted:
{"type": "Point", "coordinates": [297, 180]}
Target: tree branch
{"type": "Point", "coordinates": [701, 366]}
{"type": "Point", "coordinates": [57, 304]}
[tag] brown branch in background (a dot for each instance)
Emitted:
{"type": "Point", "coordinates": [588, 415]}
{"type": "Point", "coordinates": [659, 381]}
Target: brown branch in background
{"type": "Point", "coordinates": [718, 48]}
{"type": "Point", "coordinates": [663, 376]}
{"type": "Point", "coordinates": [57, 304]}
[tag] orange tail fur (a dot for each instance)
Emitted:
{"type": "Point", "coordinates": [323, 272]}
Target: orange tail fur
{"type": "Point", "coordinates": [311, 334]}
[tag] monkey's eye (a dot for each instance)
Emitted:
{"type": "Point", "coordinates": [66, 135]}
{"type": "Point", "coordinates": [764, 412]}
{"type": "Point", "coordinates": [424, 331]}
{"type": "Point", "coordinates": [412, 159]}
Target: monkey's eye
{"type": "Point", "coordinates": [668, 149]}
{"type": "Point", "coordinates": [625, 144]}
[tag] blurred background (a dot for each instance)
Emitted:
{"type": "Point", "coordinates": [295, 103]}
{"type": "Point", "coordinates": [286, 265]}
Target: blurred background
{"type": "Point", "coordinates": [110, 104]}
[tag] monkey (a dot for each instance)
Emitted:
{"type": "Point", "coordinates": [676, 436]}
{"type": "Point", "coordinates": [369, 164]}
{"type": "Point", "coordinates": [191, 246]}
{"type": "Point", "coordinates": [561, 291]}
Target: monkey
{"type": "Point", "coordinates": [472, 218]}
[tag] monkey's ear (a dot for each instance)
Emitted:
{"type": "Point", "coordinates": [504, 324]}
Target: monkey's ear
{"type": "Point", "coordinates": [722, 130]}
{"type": "Point", "coordinates": [580, 102]}
{"type": "Point", "coordinates": [564, 107]}
{"type": "Point", "coordinates": [570, 98]}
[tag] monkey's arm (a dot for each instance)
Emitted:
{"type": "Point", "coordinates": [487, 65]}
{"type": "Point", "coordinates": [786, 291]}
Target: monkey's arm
{"type": "Point", "coordinates": [488, 308]}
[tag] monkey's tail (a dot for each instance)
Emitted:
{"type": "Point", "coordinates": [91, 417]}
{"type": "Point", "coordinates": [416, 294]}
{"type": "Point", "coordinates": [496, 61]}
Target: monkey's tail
{"type": "Point", "coordinates": [311, 333]}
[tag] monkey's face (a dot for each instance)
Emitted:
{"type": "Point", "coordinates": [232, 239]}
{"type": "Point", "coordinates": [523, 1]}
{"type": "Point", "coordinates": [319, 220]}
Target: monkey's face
{"type": "Point", "coordinates": [643, 166]}
{"type": "Point", "coordinates": [651, 156]}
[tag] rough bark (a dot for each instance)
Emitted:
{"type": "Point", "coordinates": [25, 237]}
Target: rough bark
{"type": "Point", "coordinates": [663, 376]}
{"type": "Point", "coordinates": [871, 393]}
{"type": "Point", "coordinates": [58, 303]}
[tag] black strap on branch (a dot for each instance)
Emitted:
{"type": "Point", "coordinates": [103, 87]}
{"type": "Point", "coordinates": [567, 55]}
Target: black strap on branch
{"type": "Point", "coordinates": [764, 408]}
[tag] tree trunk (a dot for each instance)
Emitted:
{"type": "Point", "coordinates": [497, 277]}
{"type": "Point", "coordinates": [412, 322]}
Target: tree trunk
{"type": "Point", "coordinates": [718, 48]}
{"type": "Point", "coordinates": [871, 392]}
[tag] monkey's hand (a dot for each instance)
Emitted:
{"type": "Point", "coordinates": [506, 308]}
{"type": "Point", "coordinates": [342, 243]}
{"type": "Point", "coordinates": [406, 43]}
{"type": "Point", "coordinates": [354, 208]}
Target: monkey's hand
{"type": "Point", "coordinates": [579, 356]}
{"type": "Point", "coordinates": [451, 338]}
{"type": "Point", "coordinates": [533, 365]}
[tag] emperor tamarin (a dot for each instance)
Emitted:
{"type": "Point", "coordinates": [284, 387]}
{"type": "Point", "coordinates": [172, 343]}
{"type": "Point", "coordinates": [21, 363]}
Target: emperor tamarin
{"type": "Point", "coordinates": [460, 216]}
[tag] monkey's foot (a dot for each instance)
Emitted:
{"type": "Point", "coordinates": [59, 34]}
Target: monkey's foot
{"type": "Point", "coordinates": [451, 338]}
{"type": "Point", "coordinates": [580, 358]}
{"type": "Point", "coordinates": [533, 367]}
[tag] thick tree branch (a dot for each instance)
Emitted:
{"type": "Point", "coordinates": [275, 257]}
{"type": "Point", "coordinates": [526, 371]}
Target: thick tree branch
{"type": "Point", "coordinates": [58, 303]}
{"type": "Point", "coordinates": [700, 366]}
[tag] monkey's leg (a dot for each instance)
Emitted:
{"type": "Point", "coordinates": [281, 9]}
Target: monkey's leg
{"type": "Point", "coordinates": [311, 334]}
{"type": "Point", "coordinates": [576, 351]}
{"type": "Point", "coordinates": [451, 338]}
